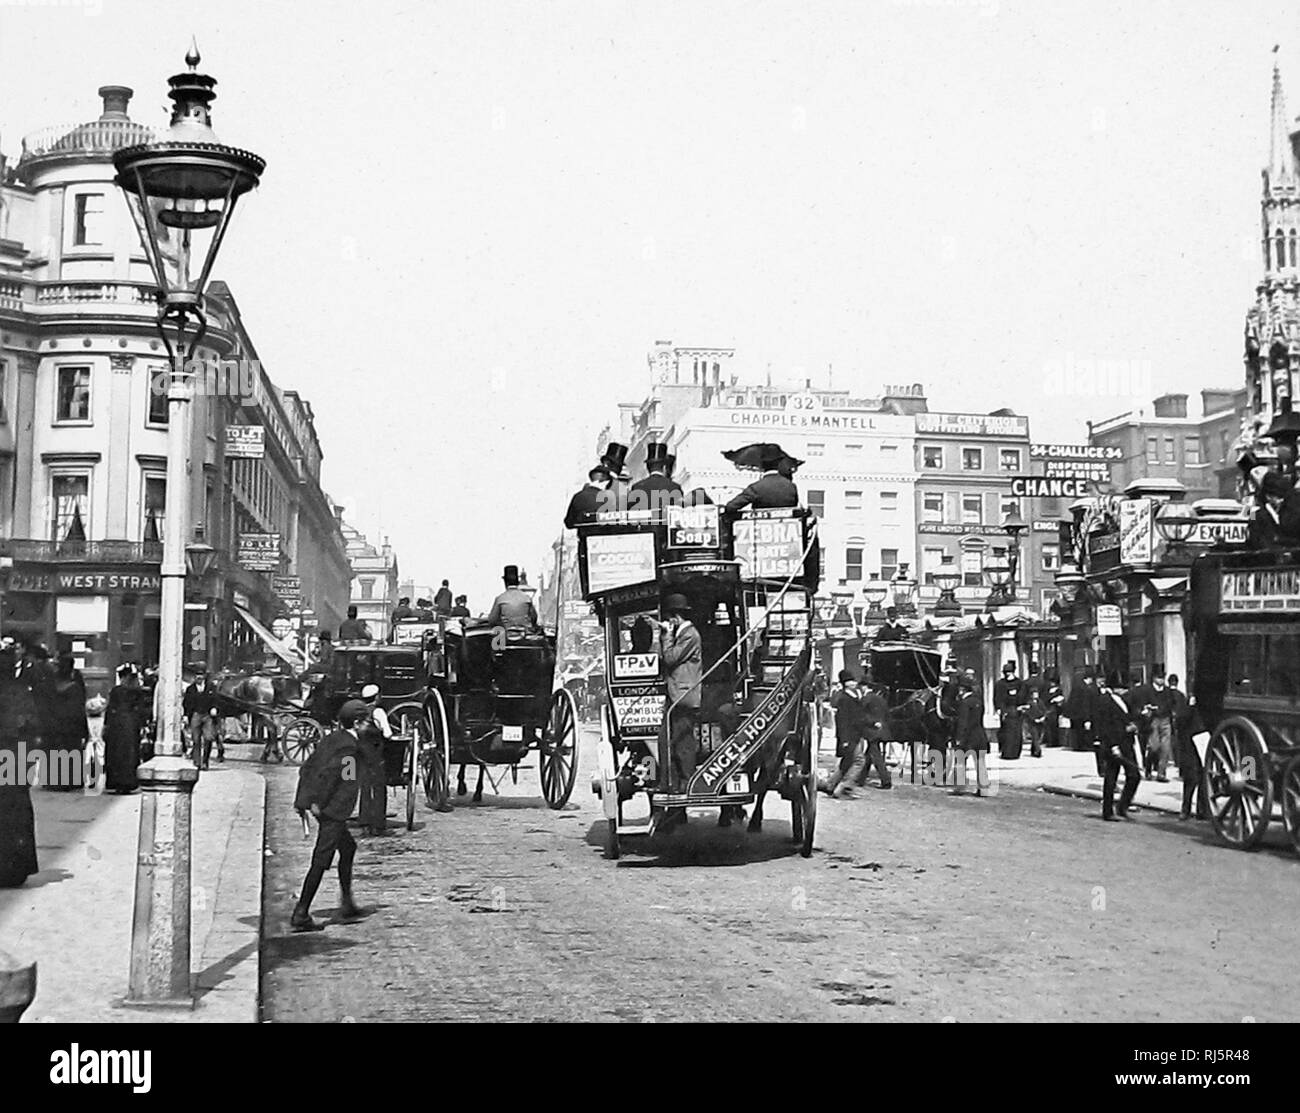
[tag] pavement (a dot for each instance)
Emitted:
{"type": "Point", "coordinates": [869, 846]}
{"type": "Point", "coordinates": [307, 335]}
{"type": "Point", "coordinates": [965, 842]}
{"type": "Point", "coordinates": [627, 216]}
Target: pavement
{"type": "Point", "coordinates": [1072, 773]}
{"type": "Point", "coordinates": [74, 916]}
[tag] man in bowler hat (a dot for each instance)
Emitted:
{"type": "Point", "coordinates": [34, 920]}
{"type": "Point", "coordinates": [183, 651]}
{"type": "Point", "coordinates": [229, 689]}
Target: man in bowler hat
{"type": "Point", "coordinates": [681, 657]}
{"type": "Point", "coordinates": [327, 788]}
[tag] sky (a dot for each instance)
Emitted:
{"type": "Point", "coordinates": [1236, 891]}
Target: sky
{"type": "Point", "coordinates": [477, 217]}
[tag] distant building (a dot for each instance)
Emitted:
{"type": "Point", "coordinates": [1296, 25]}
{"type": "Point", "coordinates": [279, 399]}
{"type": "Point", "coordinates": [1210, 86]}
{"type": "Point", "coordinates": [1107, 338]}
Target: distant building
{"type": "Point", "coordinates": [374, 581]}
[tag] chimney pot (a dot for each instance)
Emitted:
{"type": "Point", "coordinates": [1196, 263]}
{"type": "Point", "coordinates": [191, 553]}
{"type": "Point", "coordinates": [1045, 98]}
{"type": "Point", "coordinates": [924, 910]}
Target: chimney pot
{"type": "Point", "coordinates": [115, 98]}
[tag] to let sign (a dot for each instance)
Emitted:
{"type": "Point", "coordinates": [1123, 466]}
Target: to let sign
{"type": "Point", "coordinates": [1048, 487]}
{"type": "Point", "coordinates": [246, 441]}
{"type": "Point", "coordinates": [1110, 622]}
{"type": "Point", "coordinates": [259, 552]}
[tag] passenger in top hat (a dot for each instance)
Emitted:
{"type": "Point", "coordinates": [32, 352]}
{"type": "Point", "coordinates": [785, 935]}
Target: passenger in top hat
{"type": "Point", "coordinates": [513, 609]}
{"type": "Point", "coordinates": [657, 489]}
{"type": "Point", "coordinates": [774, 488]}
{"type": "Point", "coordinates": [584, 505]}
{"type": "Point", "coordinates": [891, 629]}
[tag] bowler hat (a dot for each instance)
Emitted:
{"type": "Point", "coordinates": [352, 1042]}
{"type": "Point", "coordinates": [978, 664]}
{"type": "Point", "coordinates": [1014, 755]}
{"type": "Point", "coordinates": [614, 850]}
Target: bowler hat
{"type": "Point", "coordinates": [846, 675]}
{"type": "Point", "coordinates": [351, 711]}
{"type": "Point", "coordinates": [1276, 484]}
{"type": "Point", "coordinates": [676, 604]}
{"type": "Point", "coordinates": [510, 574]}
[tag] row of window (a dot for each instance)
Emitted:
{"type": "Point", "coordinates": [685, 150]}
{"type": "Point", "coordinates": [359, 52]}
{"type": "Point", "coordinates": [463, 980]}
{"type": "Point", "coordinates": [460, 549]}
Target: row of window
{"type": "Point", "coordinates": [69, 507]}
{"type": "Point", "coordinates": [932, 505]}
{"type": "Point", "coordinates": [970, 563]}
{"type": "Point", "coordinates": [972, 459]}
{"type": "Point", "coordinates": [1191, 450]}
{"type": "Point", "coordinates": [818, 448]}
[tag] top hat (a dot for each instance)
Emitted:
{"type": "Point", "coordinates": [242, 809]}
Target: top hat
{"type": "Point", "coordinates": [614, 457]}
{"type": "Point", "coordinates": [510, 574]}
{"type": "Point", "coordinates": [656, 453]}
{"type": "Point", "coordinates": [670, 462]}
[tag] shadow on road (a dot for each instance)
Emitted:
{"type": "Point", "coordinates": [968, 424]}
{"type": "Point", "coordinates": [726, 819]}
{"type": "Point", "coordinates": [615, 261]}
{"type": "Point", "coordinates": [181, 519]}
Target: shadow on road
{"type": "Point", "coordinates": [700, 843]}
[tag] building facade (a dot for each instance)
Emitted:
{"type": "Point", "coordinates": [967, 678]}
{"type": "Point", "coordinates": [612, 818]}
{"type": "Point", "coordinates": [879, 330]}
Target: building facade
{"type": "Point", "coordinates": [374, 581]}
{"type": "Point", "coordinates": [84, 429]}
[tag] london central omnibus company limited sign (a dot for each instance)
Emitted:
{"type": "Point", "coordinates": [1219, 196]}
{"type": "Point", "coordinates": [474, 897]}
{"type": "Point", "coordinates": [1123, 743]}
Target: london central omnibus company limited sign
{"type": "Point", "coordinates": [1251, 591]}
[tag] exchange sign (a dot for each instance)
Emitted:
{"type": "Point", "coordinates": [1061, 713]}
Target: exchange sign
{"type": "Point", "coordinates": [1046, 487]}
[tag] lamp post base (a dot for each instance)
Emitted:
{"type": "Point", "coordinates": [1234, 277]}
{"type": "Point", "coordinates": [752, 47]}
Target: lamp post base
{"type": "Point", "coordinates": [160, 930]}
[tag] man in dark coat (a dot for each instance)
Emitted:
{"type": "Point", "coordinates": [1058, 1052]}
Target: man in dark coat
{"type": "Point", "coordinates": [1011, 701]}
{"type": "Point", "coordinates": [513, 609]}
{"type": "Point", "coordinates": [585, 504]}
{"type": "Point", "coordinates": [18, 732]}
{"type": "Point", "coordinates": [876, 715]}
{"type": "Point", "coordinates": [1081, 710]}
{"type": "Point", "coordinates": [461, 609]}
{"type": "Point", "coordinates": [403, 610]}
{"type": "Point", "coordinates": [891, 630]}
{"type": "Point", "coordinates": [850, 735]}
{"type": "Point", "coordinates": [61, 705]}
{"type": "Point", "coordinates": [353, 629]}
{"type": "Point", "coordinates": [124, 721]}
{"type": "Point", "coordinates": [1190, 768]}
{"type": "Point", "coordinates": [327, 788]}
{"type": "Point", "coordinates": [1116, 729]}
{"type": "Point", "coordinates": [774, 489]}
{"type": "Point", "coordinates": [656, 490]}
{"type": "Point", "coordinates": [442, 599]}
{"type": "Point", "coordinates": [970, 736]}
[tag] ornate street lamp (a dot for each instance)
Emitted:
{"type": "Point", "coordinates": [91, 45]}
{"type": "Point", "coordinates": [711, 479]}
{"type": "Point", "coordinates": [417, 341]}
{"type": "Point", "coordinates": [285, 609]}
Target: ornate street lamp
{"type": "Point", "coordinates": [904, 592]}
{"type": "Point", "coordinates": [825, 606]}
{"type": "Point", "coordinates": [1013, 525]}
{"type": "Point", "coordinates": [1176, 521]}
{"type": "Point", "coordinates": [948, 578]}
{"type": "Point", "coordinates": [874, 591]}
{"type": "Point", "coordinates": [842, 596]}
{"type": "Point", "coordinates": [181, 191]}
{"type": "Point", "coordinates": [997, 574]}
{"type": "Point", "coordinates": [1069, 581]}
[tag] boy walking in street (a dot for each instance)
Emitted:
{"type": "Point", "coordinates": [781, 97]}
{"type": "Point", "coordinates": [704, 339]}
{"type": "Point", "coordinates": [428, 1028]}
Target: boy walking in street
{"type": "Point", "coordinates": [327, 787]}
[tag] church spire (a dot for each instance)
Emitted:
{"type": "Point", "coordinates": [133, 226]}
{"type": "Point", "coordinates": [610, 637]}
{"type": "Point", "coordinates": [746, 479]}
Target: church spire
{"type": "Point", "coordinates": [1281, 158]}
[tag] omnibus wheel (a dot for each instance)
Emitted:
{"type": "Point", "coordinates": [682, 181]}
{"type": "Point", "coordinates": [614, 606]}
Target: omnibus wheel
{"type": "Point", "coordinates": [300, 738]}
{"type": "Point", "coordinates": [1290, 788]}
{"type": "Point", "coordinates": [612, 847]}
{"type": "Point", "coordinates": [559, 749]}
{"type": "Point", "coordinates": [1238, 783]}
{"type": "Point", "coordinates": [807, 796]}
{"type": "Point", "coordinates": [435, 758]}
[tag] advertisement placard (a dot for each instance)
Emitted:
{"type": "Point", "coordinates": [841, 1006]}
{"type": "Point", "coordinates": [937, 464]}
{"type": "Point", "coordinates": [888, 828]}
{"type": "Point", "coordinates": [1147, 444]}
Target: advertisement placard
{"type": "Point", "coordinates": [619, 560]}
{"type": "Point", "coordinates": [769, 549]}
{"type": "Point", "coordinates": [245, 442]}
{"type": "Point", "coordinates": [259, 552]}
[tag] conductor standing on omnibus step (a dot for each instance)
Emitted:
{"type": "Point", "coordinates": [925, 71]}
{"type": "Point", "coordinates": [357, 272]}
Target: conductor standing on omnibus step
{"type": "Point", "coordinates": [681, 656]}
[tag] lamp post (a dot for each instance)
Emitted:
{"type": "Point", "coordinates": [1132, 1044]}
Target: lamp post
{"type": "Point", "coordinates": [874, 591]}
{"type": "Point", "coordinates": [181, 192]}
{"type": "Point", "coordinates": [1176, 523]}
{"type": "Point", "coordinates": [997, 574]}
{"type": "Point", "coordinates": [947, 579]}
{"type": "Point", "coordinates": [1013, 525]}
{"type": "Point", "coordinates": [904, 590]}
{"type": "Point", "coordinates": [842, 596]}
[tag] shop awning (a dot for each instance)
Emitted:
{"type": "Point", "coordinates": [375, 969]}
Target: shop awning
{"type": "Point", "coordinates": [286, 653]}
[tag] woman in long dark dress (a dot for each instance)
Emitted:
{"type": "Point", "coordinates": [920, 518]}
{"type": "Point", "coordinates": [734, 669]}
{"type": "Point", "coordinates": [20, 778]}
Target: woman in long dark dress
{"type": "Point", "coordinates": [64, 729]}
{"type": "Point", "coordinates": [17, 734]}
{"type": "Point", "coordinates": [124, 719]}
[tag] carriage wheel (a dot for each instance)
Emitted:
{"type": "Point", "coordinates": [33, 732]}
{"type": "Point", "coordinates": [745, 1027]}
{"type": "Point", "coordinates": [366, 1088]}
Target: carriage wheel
{"type": "Point", "coordinates": [559, 749]}
{"type": "Point", "coordinates": [435, 758]}
{"type": "Point", "coordinates": [1291, 801]}
{"type": "Point", "coordinates": [1238, 785]}
{"type": "Point", "coordinates": [408, 722]}
{"type": "Point", "coordinates": [807, 797]}
{"type": "Point", "coordinates": [300, 738]}
{"type": "Point", "coordinates": [612, 847]}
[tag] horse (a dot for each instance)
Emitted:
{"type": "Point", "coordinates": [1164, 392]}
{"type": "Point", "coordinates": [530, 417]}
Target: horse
{"type": "Point", "coordinates": [259, 692]}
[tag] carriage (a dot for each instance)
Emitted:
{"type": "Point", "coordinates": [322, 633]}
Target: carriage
{"type": "Point", "coordinates": [489, 703]}
{"type": "Point", "coordinates": [749, 582]}
{"type": "Point", "coordinates": [909, 675]}
{"type": "Point", "coordinates": [1245, 642]}
{"type": "Point", "coordinates": [400, 673]}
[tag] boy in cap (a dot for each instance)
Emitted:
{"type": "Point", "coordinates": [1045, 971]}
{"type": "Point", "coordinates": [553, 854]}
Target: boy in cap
{"type": "Point", "coordinates": [327, 787]}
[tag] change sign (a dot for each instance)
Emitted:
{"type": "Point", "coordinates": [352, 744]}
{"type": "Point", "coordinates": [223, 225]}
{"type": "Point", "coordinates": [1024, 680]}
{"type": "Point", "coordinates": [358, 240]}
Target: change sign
{"type": "Point", "coordinates": [1048, 487]}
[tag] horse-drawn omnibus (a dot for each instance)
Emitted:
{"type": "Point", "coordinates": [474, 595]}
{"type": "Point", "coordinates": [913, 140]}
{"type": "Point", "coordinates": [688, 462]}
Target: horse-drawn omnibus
{"type": "Point", "coordinates": [1245, 643]}
{"type": "Point", "coordinates": [748, 584]}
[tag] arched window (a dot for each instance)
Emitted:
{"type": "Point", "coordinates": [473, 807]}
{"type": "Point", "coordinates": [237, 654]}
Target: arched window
{"type": "Point", "coordinates": [1279, 245]}
{"type": "Point", "coordinates": [1292, 238]}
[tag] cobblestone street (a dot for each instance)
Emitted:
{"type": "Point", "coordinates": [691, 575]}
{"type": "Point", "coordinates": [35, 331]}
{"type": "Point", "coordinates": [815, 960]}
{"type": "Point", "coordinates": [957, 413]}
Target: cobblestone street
{"type": "Point", "coordinates": [917, 906]}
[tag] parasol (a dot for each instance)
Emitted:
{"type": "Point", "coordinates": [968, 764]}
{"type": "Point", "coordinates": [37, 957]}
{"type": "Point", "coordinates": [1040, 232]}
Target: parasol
{"type": "Point", "coordinates": [759, 456]}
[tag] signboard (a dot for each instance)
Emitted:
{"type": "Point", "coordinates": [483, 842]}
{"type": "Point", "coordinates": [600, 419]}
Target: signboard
{"type": "Point", "coordinates": [1136, 532]}
{"type": "Point", "coordinates": [1077, 469]}
{"type": "Point", "coordinates": [634, 666]}
{"type": "Point", "coordinates": [116, 581]}
{"type": "Point", "coordinates": [411, 633]}
{"type": "Point", "coordinates": [1043, 526]}
{"type": "Point", "coordinates": [247, 442]}
{"type": "Point", "coordinates": [973, 425]}
{"type": "Point", "coordinates": [1044, 487]}
{"type": "Point", "coordinates": [576, 610]}
{"type": "Point", "coordinates": [282, 628]}
{"type": "Point", "coordinates": [771, 548]}
{"type": "Point", "coordinates": [619, 559]}
{"type": "Point", "coordinates": [1260, 589]}
{"type": "Point", "coordinates": [1075, 452]}
{"type": "Point", "coordinates": [1219, 533]}
{"type": "Point", "coordinates": [287, 585]}
{"type": "Point", "coordinates": [259, 552]}
{"type": "Point", "coordinates": [954, 528]}
{"type": "Point", "coordinates": [693, 527]}
{"type": "Point", "coordinates": [639, 709]}
{"type": "Point", "coordinates": [1110, 621]}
